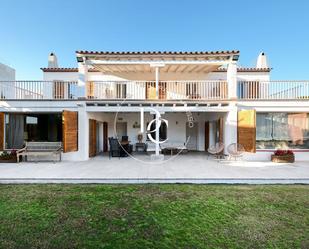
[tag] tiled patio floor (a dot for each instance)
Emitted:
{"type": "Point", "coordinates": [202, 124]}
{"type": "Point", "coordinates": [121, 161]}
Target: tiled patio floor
{"type": "Point", "coordinates": [188, 168]}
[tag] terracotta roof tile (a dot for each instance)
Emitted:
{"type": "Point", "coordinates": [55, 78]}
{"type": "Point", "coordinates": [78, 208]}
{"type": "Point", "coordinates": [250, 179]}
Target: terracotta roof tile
{"type": "Point", "coordinates": [246, 69]}
{"type": "Point", "coordinates": [158, 52]}
{"type": "Point", "coordinates": [75, 69]}
{"type": "Point", "coordinates": [64, 69]}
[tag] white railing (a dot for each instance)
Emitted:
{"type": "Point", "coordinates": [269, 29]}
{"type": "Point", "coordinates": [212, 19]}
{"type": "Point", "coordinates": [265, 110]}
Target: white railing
{"type": "Point", "coordinates": [268, 90]}
{"type": "Point", "coordinates": [168, 90]}
{"type": "Point", "coordinates": [143, 90]}
{"type": "Point", "coordinates": [139, 90]}
{"type": "Point", "coordinates": [40, 90]}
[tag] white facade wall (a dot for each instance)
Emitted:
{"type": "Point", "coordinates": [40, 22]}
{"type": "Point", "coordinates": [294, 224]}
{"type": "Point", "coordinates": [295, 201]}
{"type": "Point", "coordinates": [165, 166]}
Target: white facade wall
{"type": "Point", "coordinates": [6, 73]}
{"type": "Point", "coordinates": [7, 88]}
{"type": "Point", "coordinates": [177, 121]}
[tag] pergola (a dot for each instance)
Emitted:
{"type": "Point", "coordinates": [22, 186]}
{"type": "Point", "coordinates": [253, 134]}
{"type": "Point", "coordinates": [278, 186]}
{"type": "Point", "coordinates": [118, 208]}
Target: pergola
{"type": "Point", "coordinates": [149, 62]}
{"type": "Point", "coordinates": [153, 65]}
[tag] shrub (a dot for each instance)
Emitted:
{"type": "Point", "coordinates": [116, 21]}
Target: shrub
{"type": "Point", "coordinates": [284, 152]}
{"type": "Point", "coordinates": [8, 156]}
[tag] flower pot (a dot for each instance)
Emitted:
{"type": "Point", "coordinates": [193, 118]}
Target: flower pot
{"type": "Point", "coordinates": [283, 158]}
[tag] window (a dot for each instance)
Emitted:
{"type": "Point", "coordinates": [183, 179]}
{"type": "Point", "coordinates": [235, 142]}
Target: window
{"type": "Point", "coordinates": [282, 131]}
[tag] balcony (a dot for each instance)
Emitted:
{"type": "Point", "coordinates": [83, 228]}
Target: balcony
{"type": "Point", "coordinates": [146, 90]}
{"type": "Point", "coordinates": [273, 90]}
{"type": "Point", "coordinates": [114, 90]}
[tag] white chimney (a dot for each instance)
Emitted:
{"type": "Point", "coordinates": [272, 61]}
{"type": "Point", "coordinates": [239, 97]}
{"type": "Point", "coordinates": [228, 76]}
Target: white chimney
{"type": "Point", "coordinates": [52, 61]}
{"type": "Point", "coordinates": [262, 61]}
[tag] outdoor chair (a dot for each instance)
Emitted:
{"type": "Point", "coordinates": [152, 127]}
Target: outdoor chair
{"type": "Point", "coordinates": [216, 150]}
{"type": "Point", "coordinates": [126, 146]}
{"type": "Point", "coordinates": [235, 150]}
{"type": "Point", "coordinates": [124, 138]}
{"type": "Point", "coordinates": [114, 148]}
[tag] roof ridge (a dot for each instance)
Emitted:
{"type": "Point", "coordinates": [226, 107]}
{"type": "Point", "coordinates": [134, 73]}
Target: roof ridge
{"type": "Point", "coordinates": [75, 69]}
{"type": "Point", "coordinates": [158, 52]}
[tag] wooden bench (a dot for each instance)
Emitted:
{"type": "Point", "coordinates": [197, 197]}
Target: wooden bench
{"type": "Point", "coordinates": [39, 149]}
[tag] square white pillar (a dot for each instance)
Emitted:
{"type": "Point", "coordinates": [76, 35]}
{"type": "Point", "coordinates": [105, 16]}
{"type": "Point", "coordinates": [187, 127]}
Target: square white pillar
{"type": "Point", "coordinates": [230, 128]}
{"type": "Point", "coordinates": [232, 80]}
{"type": "Point", "coordinates": [83, 133]}
{"type": "Point", "coordinates": [82, 79]}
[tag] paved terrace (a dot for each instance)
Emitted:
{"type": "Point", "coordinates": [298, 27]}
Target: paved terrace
{"type": "Point", "coordinates": [188, 168]}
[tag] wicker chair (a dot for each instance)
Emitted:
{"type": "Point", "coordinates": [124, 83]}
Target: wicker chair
{"type": "Point", "coordinates": [235, 150]}
{"type": "Point", "coordinates": [216, 150]}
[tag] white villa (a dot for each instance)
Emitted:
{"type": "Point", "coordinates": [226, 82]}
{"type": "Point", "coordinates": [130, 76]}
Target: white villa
{"type": "Point", "coordinates": [205, 97]}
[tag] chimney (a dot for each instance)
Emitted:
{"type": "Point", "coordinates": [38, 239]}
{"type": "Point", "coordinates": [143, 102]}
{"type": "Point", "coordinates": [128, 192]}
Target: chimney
{"type": "Point", "coordinates": [262, 61]}
{"type": "Point", "coordinates": [52, 61]}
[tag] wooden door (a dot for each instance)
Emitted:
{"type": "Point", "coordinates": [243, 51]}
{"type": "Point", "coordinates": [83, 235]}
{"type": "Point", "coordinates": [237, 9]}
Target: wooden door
{"type": "Point", "coordinates": [92, 137]}
{"type": "Point", "coordinates": [105, 137]}
{"type": "Point", "coordinates": [206, 135]}
{"type": "Point", "coordinates": [220, 127]}
{"type": "Point", "coordinates": [69, 131]}
{"type": "Point", "coordinates": [246, 129]}
{"type": "Point", "coordinates": [2, 126]}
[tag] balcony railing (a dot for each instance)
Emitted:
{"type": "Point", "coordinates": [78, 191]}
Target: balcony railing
{"type": "Point", "coordinates": [146, 90]}
{"type": "Point", "coordinates": [135, 90]}
{"type": "Point", "coordinates": [168, 90]}
{"type": "Point", "coordinates": [273, 90]}
{"type": "Point", "coordinates": [39, 90]}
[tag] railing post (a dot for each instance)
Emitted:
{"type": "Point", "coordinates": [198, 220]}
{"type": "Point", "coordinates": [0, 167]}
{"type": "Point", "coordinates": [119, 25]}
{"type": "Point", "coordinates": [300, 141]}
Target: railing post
{"type": "Point", "coordinates": [232, 80]}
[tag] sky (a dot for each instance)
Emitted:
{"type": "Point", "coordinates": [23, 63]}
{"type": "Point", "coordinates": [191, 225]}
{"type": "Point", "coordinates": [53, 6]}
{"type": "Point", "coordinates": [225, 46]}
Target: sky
{"type": "Point", "coordinates": [31, 29]}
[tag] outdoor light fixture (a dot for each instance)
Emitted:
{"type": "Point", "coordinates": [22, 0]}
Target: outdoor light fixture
{"type": "Point", "coordinates": [235, 57]}
{"type": "Point", "coordinates": [80, 59]}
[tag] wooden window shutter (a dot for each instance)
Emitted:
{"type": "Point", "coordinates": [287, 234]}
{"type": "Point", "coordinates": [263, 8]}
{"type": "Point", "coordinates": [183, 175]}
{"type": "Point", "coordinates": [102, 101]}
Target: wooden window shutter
{"type": "Point", "coordinates": [70, 131]}
{"type": "Point", "coordinates": [246, 129]}
{"type": "Point", "coordinates": [162, 90]}
{"type": "Point", "coordinates": [2, 125]}
{"type": "Point", "coordinates": [150, 90]}
{"type": "Point", "coordinates": [92, 137]}
{"type": "Point", "coordinates": [90, 90]}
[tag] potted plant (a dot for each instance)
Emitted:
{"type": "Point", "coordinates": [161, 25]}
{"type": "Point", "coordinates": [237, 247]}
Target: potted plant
{"type": "Point", "coordinates": [283, 156]}
{"type": "Point", "coordinates": [8, 157]}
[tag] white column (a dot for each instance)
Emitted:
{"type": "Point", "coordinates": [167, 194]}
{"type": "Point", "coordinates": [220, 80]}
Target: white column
{"type": "Point", "coordinates": [82, 78]}
{"type": "Point", "coordinates": [230, 127]}
{"type": "Point", "coordinates": [232, 80]}
{"type": "Point", "coordinates": [157, 136]}
{"type": "Point", "coordinates": [83, 133]}
{"type": "Point", "coordinates": [157, 118]}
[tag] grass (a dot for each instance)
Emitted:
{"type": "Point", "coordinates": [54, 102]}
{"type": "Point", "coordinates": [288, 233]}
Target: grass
{"type": "Point", "coordinates": [154, 216]}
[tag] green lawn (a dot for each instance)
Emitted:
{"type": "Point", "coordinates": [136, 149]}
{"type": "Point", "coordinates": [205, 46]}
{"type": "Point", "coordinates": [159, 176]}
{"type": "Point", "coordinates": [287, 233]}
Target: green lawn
{"type": "Point", "coordinates": [154, 216]}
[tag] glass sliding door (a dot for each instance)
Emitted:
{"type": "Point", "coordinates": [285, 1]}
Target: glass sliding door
{"type": "Point", "coordinates": [282, 130]}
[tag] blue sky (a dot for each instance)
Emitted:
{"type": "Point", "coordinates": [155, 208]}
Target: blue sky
{"type": "Point", "coordinates": [30, 30]}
